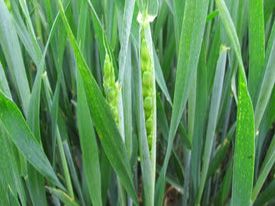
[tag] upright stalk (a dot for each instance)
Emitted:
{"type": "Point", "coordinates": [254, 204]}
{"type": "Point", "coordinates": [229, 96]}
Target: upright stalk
{"type": "Point", "coordinates": [112, 91]}
{"type": "Point", "coordinates": [148, 95]}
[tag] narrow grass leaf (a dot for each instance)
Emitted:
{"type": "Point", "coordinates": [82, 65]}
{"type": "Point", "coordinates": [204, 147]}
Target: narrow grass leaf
{"type": "Point", "coordinates": [178, 15]}
{"type": "Point", "coordinates": [88, 142]}
{"type": "Point", "coordinates": [160, 78]}
{"type": "Point", "coordinates": [36, 182]}
{"type": "Point", "coordinates": [193, 26]}
{"type": "Point", "coordinates": [33, 115]}
{"type": "Point", "coordinates": [267, 165]}
{"type": "Point", "coordinates": [11, 47]}
{"type": "Point", "coordinates": [266, 88]}
{"type": "Point", "coordinates": [125, 36]}
{"type": "Point", "coordinates": [100, 113]}
{"type": "Point", "coordinates": [15, 126]}
{"type": "Point", "coordinates": [244, 152]}
{"type": "Point", "coordinates": [221, 152]}
{"type": "Point", "coordinates": [4, 87]}
{"type": "Point", "coordinates": [212, 118]}
{"type": "Point", "coordinates": [26, 34]}
{"type": "Point", "coordinates": [226, 185]}
{"type": "Point", "coordinates": [9, 169]}
{"type": "Point", "coordinates": [267, 195]}
{"type": "Point", "coordinates": [89, 146]}
{"type": "Point", "coordinates": [99, 32]}
{"type": "Point", "coordinates": [73, 172]}
{"type": "Point", "coordinates": [271, 40]}
{"type": "Point", "coordinates": [256, 45]}
{"type": "Point", "coordinates": [201, 106]}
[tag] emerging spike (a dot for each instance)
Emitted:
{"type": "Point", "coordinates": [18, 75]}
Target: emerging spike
{"type": "Point", "coordinates": [111, 87]}
{"type": "Point", "coordinates": [148, 88]}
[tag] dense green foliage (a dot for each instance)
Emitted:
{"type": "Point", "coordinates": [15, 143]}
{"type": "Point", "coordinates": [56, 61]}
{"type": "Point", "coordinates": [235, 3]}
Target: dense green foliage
{"type": "Point", "coordinates": [137, 102]}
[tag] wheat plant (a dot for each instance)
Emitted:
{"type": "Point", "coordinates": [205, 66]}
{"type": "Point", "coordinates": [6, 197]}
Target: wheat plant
{"type": "Point", "coordinates": [137, 102]}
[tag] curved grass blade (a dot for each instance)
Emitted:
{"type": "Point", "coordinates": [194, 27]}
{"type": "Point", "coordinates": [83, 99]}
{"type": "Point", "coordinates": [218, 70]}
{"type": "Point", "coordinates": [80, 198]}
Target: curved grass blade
{"type": "Point", "coordinates": [267, 166]}
{"type": "Point", "coordinates": [9, 169]}
{"type": "Point", "coordinates": [222, 196]}
{"type": "Point", "coordinates": [15, 126]}
{"type": "Point", "coordinates": [266, 88]}
{"type": "Point", "coordinates": [125, 36]}
{"type": "Point", "coordinates": [99, 31]}
{"type": "Point", "coordinates": [221, 152]}
{"type": "Point", "coordinates": [25, 33]}
{"type": "Point", "coordinates": [4, 87]}
{"type": "Point", "coordinates": [243, 167]}
{"type": "Point", "coordinates": [36, 182]}
{"type": "Point", "coordinates": [271, 40]}
{"type": "Point", "coordinates": [201, 104]}
{"type": "Point", "coordinates": [265, 126]}
{"type": "Point", "coordinates": [34, 104]}
{"type": "Point", "coordinates": [73, 171]}
{"type": "Point", "coordinates": [266, 195]}
{"type": "Point", "coordinates": [100, 113]}
{"type": "Point", "coordinates": [88, 142]}
{"type": "Point", "coordinates": [67, 200]}
{"type": "Point", "coordinates": [11, 47]}
{"type": "Point", "coordinates": [256, 45]}
{"type": "Point", "coordinates": [243, 163]}
{"type": "Point", "coordinates": [178, 15]}
{"type": "Point", "coordinates": [160, 78]}
{"type": "Point", "coordinates": [89, 146]}
{"type": "Point", "coordinates": [193, 26]}
{"type": "Point", "coordinates": [163, 124]}
{"type": "Point", "coordinates": [213, 118]}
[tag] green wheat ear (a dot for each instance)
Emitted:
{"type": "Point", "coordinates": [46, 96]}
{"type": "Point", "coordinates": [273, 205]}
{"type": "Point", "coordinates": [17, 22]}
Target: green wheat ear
{"type": "Point", "coordinates": [148, 88]}
{"type": "Point", "coordinates": [111, 87]}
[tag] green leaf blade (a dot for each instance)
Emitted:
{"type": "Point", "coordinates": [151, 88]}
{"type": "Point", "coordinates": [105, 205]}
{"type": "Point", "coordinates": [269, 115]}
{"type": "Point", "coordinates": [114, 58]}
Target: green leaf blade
{"type": "Point", "coordinates": [11, 47]}
{"type": "Point", "coordinates": [88, 146]}
{"type": "Point", "coordinates": [195, 13]}
{"type": "Point", "coordinates": [256, 45]}
{"type": "Point", "coordinates": [244, 151]}
{"type": "Point", "coordinates": [14, 124]}
{"type": "Point", "coordinates": [100, 113]}
{"type": "Point", "coordinates": [243, 166]}
{"type": "Point", "coordinates": [213, 117]}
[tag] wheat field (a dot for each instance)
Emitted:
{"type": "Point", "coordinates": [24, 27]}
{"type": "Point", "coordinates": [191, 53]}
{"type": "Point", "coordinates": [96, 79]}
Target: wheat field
{"type": "Point", "coordinates": [137, 102]}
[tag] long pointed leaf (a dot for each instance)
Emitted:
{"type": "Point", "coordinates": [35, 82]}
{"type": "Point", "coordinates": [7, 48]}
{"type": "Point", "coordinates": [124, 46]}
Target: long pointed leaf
{"type": "Point", "coordinates": [10, 44]}
{"type": "Point", "coordinates": [213, 117]}
{"type": "Point", "coordinates": [244, 154]}
{"type": "Point", "coordinates": [100, 113]}
{"type": "Point", "coordinates": [15, 126]}
{"type": "Point", "coordinates": [193, 26]}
